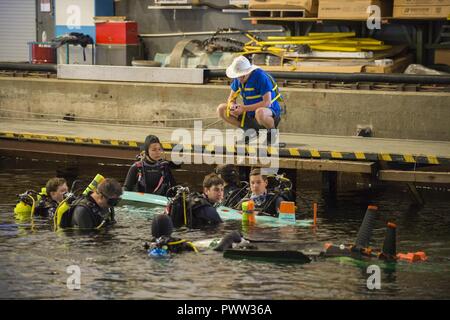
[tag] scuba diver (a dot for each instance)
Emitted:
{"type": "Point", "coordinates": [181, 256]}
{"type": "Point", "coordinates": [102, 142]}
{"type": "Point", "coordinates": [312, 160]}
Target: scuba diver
{"type": "Point", "coordinates": [151, 174]}
{"type": "Point", "coordinates": [197, 210]}
{"type": "Point", "coordinates": [163, 243]}
{"type": "Point", "coordinates": [234, 189]}
{"type": "Point", "coordinates": [95, 208]}
{"type": "Point", "coordinates": [266, 202]}
{"type": "Point", "coordinates": [55, 189]}
{"type": "Point", "coordinates": [44, 204]}
{"type": "Point", "coordinates": [235, 246]}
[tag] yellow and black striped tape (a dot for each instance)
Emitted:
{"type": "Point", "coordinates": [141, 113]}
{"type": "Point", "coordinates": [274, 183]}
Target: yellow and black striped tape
{"type": "Point", "coordinates": [249, 150]}
{"type": "Point", "coordinates": [72, 140]}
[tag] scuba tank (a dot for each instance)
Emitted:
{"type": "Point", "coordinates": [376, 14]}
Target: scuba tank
{"type": "Point", "coordinates": [24, 209]}
{"type": "Point", "coordinates": [94, 184]}
{"type": "Point", "coordinates": [177, 208]}
{"type": "Point", "coordinates": [27, 202]}
{"type": "Point", "coordinates": [182, 207]}
{"type": "Point", "coordinates": [62, 217]}
{"type": "Point", "coordinates": [62, 208]}
{"type": "Point", "coordinates": [281, 185]}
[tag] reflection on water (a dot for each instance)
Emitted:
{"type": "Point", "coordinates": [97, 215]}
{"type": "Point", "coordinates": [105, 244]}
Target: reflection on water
{"type": "Point", "coordinates": [33, 258]}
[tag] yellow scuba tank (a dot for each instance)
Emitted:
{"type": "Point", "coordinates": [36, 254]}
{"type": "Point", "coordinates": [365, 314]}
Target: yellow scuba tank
{"type": "Point", "coordinates": [94, 183]}
{"type": "Point", "coordinates": [41, 194]}
{"type": "Point", "coordinates": [65, 205]}
{"type": "Point", "coordinates": [25, 207]}
{"type": "Point", "coordinates": [22, 210]}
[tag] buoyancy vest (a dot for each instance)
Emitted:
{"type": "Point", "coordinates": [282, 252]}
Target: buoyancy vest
{"type": "Point", "coordinates": [157, 171]}
{"type": "Point", "coordinates": [46, 207]}
{"type": "Point", "coordinates": [183, 208]}
{"type": "Point", "coordinates": [268, 206]}
{"type": "Point", "coordinates": [172, 245]}
{"type": "Point", "coordinates": [100, 217]}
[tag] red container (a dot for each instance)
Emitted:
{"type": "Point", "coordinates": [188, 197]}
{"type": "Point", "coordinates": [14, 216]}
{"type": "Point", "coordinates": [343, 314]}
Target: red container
{"type": "Point", "coordinates": [120, 32]}
{"type": "Point", "coordinates": [42, 52]}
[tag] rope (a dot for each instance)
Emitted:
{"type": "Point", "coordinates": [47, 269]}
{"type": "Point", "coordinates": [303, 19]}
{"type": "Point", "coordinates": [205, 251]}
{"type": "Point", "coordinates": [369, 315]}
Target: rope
{"type": "Point", "coordinates": [33, 207]}
{"type": "Point", "coordinates": [90, 123]}
{"type": "Point", "coordinates": [110, 119]}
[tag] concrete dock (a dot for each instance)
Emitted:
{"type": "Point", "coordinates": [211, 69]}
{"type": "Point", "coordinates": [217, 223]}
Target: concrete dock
{"type": "Point", "coordinates": [309, 152]}
{"type": "Point", "coordinates": [393, 115]}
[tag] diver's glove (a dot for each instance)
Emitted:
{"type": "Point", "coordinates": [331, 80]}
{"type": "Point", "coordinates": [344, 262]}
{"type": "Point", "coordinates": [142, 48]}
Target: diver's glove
{"type": "Point", "coordinates": [228, 241]}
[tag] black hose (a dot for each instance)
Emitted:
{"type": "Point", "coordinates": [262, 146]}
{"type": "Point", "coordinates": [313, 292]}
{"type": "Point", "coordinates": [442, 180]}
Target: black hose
{"type": "Point", "coordinates": [350, 77]}
{"type": "Point", "coordinates": [215, 6]}
{"type": "Point", "coordinates": [27, 66]}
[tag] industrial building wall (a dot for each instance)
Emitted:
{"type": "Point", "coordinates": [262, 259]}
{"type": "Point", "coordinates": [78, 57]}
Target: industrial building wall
{"type": "Point", "coordinates": [17, 28]}
{"type": "Point", "coordinates": [154, 21]}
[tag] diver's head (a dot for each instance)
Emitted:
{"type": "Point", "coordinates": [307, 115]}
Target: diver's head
{"type": "Point", "coordinates": [213, 187]}
{"type": "Point", "coordinates": [162, 226]}
{"type": "Point", "coordinates": [56, 188]}
{"type": "Point", "coordinates": [108, 193]}
{"type": "Point", "coordinates": [153, 148]}
{"type": "Point", "coordinates": [258, 182]}
{"type": "Point", "coordinates": [229, 174]}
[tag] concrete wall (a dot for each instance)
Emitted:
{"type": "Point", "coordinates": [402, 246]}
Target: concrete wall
{"type": "Point", "coordinates": [405, 115]}
{"type": "Point", "coordinates": [152, 21]}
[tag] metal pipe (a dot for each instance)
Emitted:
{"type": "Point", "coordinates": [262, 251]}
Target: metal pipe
{"type": "Point", "coordinates": [27, 66]}
{"type": "Point", "coordinates": [202, 33]}
{"type": "Point", "coordinates": [351, 77]}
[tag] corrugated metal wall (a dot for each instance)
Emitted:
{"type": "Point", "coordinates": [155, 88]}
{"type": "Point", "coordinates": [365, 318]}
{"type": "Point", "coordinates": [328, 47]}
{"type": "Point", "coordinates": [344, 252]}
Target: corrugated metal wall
{"type": "Point", "coordinates": [17, 27]}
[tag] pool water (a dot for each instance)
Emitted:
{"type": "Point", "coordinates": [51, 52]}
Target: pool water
{"type": "Point", "coordinates": [114, 265]}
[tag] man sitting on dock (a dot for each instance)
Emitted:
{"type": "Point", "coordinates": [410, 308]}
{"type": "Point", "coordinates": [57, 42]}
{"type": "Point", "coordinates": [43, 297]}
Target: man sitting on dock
{"type": "Point", "coordinates": [261, 97]}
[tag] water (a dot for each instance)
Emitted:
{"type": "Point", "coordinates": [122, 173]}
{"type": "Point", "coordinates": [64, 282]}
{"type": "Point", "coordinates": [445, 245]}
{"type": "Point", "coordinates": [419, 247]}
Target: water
{"type": "Point", "coordinates": [114, 265]}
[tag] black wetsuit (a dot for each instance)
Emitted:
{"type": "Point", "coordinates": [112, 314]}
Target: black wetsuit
{"type": "Point", "coordinates": [86, 214]}
{"type": "Point", "coordinates": [203, 212]}
{"type": "Point", "coordinates": [46, 207]}
{"type": "Point", "coordinates": [269, 205]}
{"type": "Point", "coordinates": [150, 177]}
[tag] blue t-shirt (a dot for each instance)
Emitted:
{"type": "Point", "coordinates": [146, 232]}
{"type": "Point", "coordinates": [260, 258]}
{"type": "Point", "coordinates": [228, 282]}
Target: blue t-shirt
{"type": "Point", "coordinates": [257, 85]}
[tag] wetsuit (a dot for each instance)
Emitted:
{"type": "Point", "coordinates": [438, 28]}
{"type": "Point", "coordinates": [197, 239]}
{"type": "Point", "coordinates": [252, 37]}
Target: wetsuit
{"type": "Point", "coordinates": [268, 203]}
{"type": "Point", "coordinates": [86, 214]}
{"type": "Point", "coordinates": [46, 207]}
{"type": "Point", "coordinates": [203, 212]}
{"type": "Point", "coordinates": [150, 176]}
